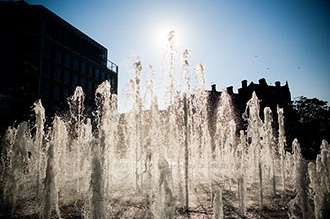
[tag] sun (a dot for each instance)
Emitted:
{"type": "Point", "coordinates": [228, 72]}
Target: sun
{"type": "Point", "coordinates": [163, 34]}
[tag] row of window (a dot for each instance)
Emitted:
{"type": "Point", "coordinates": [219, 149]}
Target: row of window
{"type": "Point", "coordinates": [55, 107]}
{"type": "Point", "coordinates": [57, 92]}
{"type": "Point", "coordinates": [64, 76]}
{"type": "Point", "coordinates": [87, 85]}
{"type": "Point", "coordinates": [74, 41]}
{"type": "Point", "coordinates": [46, 106]}
{"type": "Point", "coordinates": [45, 90]}
{"type": "Point", "coordinates": [77, 65]}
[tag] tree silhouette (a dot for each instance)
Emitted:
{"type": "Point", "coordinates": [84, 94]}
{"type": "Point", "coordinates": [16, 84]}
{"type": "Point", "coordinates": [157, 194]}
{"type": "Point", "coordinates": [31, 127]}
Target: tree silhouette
{"type": "Point", "coordinates": [313, 123]}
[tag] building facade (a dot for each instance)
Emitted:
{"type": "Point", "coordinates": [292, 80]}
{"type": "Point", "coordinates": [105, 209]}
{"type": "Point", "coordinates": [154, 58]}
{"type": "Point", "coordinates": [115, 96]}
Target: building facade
{"type": "Point", "coordinates": [268, 95]}
{"type": "Point", "coordinates": [44, 57]}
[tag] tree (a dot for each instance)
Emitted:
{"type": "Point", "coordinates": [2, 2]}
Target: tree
{"type": "Point", "coordinates": [313, 123]}
{"type": "Point", "coordinates": [311, 110]}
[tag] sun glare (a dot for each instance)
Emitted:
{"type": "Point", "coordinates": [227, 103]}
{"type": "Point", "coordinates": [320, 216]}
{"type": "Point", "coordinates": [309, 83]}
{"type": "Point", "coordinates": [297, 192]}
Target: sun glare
{"type": "Point", "coordinates": [161, 36]}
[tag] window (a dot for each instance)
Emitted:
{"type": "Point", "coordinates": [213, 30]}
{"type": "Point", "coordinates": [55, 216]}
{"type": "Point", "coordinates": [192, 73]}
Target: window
{"type": "Point", "coordinates": [44, 88]}
{"type": "Point", "coordinates": [67, 59]}
{"type": "Point", "coordinates": [55, 108]}
{"type": "Point", "coordinates": [102, 76]}
{"type": "Point", "coordinates": [45, 104]}
{"type": "Point", "coordinates": [75, 80]}
{"type": "Point", "coordinates": [58, 55]}
{"type": "Point", "coordinates": [97, 73]}
{"type": "Point", "coordinates": [56, 92]}
{"type": "Point", "coordinates": [65, 92]}
{"type": "Point", "coordinates": [67, 77]}
{"type": "Point", "coordinates": [83, 83]}
{"type": "Point", "coordinates": [49, 30]}
{"type": "Point", "coordinates": [57, 73]}
{"type": "Point", "coordinates": [32, 46]}
{"type": "Point", "coordinates": [109, 78]}
{"type": "Point", "coordinates": [90, 86]}
{"type": "Point", "coordinates": [75, 64]}
{"type": "Point", "coordinates": [89, 99]}
{"type": "Point", "coordinates": [90, 71]}
{"type": "Point", "coordinates": [46, 69]}
{"type": "Point", "coordinates": [83, 67]}
{"type": "Point", "coordinates": [48, 49]}
{"type": "Point", "coordinates": [33, 22]}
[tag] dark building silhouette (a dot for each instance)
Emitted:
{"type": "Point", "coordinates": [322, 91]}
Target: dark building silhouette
{"type": "Point", "coordinates": [271, 96]}
{"type": "Point", "coordinates": [44, 57]}
{"type": "Point", "coordinates": [268, 95]}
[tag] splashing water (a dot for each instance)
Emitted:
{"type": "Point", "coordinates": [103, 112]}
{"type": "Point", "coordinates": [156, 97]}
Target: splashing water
{"type": "Point", "coordinates": [152, 163]}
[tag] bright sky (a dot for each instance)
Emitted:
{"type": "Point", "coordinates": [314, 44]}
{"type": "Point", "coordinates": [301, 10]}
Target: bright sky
{"type": "Point", "coordinates": [236, 40]}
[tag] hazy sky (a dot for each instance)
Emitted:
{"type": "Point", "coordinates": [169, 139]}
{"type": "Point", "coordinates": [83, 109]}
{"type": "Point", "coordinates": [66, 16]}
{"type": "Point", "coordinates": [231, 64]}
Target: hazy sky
{"type": "Point", "coordinates": [236, 40]}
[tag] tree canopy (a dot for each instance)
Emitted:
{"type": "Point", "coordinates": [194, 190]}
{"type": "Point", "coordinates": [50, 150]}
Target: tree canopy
{"type": "Point", "coordinates": [311, 110]}
{"type": "Point", "coordinates": [312, 123]}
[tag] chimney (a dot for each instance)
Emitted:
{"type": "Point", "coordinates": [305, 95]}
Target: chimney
{"type": "Point", "coordinates": [230, 90]}
{"type": "Point", "coordinates": [278, 84]}
{"type": "Point", "coordinates": [263, 82]}
{"type": "Point", "coordinates": [214, 87]}
{"type": "Point", "coordinates": [244, 84]}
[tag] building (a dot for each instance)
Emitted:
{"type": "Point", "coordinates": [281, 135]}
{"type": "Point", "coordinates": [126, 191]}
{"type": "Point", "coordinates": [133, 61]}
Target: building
{"type": "Point", "coordinates": [44, 57]}
{"type": "Point", "coordinates": [268, 95]}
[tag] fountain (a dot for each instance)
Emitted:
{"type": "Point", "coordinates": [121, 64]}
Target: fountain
{"type": "Point", "coordinates": [152, 163]}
